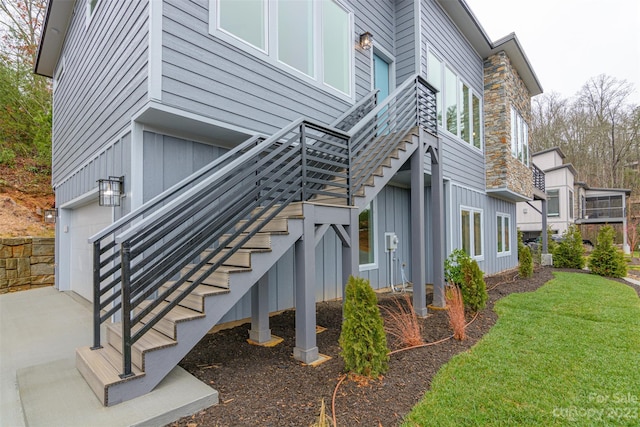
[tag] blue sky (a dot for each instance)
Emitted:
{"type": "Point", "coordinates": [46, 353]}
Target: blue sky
{"type": "Point", "coordinates": [570, 41]}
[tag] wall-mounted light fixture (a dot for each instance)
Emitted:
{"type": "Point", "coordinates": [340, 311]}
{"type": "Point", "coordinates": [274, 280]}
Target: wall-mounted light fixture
{"type": "Point", "coordinates": [50, 216]}
{"type": "Point", "coordinates": [525, 211]}
{"type": "Point", "coordinates": [110, 191]}
{"type": "Point", "coordinates": [366, 40]}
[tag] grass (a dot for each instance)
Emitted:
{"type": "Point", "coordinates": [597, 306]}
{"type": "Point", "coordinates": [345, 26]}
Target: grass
{"type": "Point", "coordinates": [566, 354]}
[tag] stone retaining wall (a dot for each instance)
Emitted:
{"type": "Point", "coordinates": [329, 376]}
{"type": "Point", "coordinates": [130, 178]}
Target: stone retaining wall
{"type": "Point", "coordinates": [26, 263]}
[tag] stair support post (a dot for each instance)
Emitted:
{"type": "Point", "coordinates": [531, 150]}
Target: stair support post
{"type": "Point", "coordinates": [306, 349]}
{"type": "Point", "coordinates": [350, 261]}
{"type": "Point", "coordinates": [260, 332]}
{"type": "Point", "coordinates": [418, 251]}
{"type": "Point", "coordinates": [126, 309]}
{"type": "Point", "coordinates": [437, 220]}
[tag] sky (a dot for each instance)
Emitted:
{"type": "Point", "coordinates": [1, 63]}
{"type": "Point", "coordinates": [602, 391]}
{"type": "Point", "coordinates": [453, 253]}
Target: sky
{"type": "Point", "coordinates": [570, 41]}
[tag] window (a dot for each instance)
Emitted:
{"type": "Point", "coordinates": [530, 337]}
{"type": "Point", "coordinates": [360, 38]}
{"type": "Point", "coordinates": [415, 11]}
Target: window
{"type": "Point", "coordinates": [245, 20]}
{"type": "Point", "coordinates": [504, 233]}
{"type": "Point", "coordinates": [90, 8]}
{"type": "Point", "coordinates": [519, 137]}
{"type": "Point", "coordinates": [366, 226]}
{"type": "Point", "coordinates": [471, 231]}
{"type": "Point", "coordinates": [311, 39]}
{"type": "Point", "coordinates": [459, 108]}
{"type": "Point", "coordinates": [570, 204]}
{"type": "Point", "coordinates": [553, 203]}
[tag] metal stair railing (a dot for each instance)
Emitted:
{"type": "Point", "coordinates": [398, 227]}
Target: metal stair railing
{"type": "Point", "coordinates": [107, 277]}
{"type": "Point", "coordinates": [221, 207]}
{"type": "Point", "coordinates": [379, 133]}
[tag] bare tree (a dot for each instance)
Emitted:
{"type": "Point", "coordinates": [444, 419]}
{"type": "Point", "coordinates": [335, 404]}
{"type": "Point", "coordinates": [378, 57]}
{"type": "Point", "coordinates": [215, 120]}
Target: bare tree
{"type": "Point", "coordinates": [605, 98]}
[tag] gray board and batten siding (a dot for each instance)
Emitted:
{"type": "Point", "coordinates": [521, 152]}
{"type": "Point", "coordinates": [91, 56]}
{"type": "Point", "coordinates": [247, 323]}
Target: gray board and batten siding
{"type": "Point", "coordinates": [102, 83]}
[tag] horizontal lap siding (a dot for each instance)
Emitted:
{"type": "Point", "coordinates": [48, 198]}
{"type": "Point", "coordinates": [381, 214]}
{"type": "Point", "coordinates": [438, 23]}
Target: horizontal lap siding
{"type": "Point", "coordinates": [103, 84]}
{"type": "Point", "coordinates": [490, 206]}
{"type": "Point", "coordinates": [461, 162]}
{"type": "Point", "coordinates": [405, 40]}
{"type": "Point", "coordinates": [208, 76]}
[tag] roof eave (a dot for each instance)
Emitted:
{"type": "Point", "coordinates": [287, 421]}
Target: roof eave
{"type": "Point", "coordinates": [54, 31]}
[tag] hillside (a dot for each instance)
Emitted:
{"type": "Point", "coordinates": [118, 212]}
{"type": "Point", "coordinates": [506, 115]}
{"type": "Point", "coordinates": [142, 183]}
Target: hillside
{"type": "Point", "coordinates": [25, 191]}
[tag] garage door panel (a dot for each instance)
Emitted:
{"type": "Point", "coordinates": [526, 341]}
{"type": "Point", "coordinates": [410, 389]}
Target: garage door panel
{"type": "Point", "coordinates": [85, 222]}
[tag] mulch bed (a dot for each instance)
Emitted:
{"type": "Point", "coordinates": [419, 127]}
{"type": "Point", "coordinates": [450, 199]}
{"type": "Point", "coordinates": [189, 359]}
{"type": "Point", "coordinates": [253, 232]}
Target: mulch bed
{"type": "Point", "coordinates": [266, 387]}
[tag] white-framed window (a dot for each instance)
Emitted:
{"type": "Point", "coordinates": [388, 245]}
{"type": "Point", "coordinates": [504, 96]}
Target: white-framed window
{"type": "Point", "coordinates": [312, 39]}
{"type": "Point", "coordinates": [503, 223]}
{"type": "Point", "coordinates": [367, 237]}
{"type": "Point", "coordinates": [459, 107]}
{"type": "Point", "coordinates": [472, 232]}
{"type": "Point", "coordinates": [519, 137]}
{"type": "Point", "coordinates": [553, 203]}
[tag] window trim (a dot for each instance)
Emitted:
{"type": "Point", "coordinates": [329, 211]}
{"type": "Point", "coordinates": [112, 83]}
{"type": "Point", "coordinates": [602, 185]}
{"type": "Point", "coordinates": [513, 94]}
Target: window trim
{"type": "Point", "coordinates": [442, 121]}
{"type": "Point", "coordinates": [557, 191]}
{"type": "Point", "coordinates": [502, 216]}
{"type": "Point", "coordinates": [90, 10]}
{"type": "Point", "coordinates": [374, 264]}
{"type": "Point", "coordinates": [472, 211]}
{"type": "Point", "coordinates": [270, 54]}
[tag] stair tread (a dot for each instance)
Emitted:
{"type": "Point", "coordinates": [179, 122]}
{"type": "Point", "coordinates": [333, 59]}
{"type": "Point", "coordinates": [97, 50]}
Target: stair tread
{"type": "Point", "coordinates": [223, 268]}
{"type": "Point", "coordinates": [177, 313]}
{"type": "Point", "coordinates": [101, 363]}
{"type": "Point", "coordinates": [151, 340]}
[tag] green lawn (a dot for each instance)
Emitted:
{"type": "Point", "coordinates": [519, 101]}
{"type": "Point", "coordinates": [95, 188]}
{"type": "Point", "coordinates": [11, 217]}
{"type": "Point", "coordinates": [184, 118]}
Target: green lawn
{"type": "Point", "coordinates": [567, 354]}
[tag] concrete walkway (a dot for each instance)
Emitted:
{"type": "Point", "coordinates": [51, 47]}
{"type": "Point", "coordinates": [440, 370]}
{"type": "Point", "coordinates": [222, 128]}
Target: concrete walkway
{"type": "Point", "coordinates": [40, 386]}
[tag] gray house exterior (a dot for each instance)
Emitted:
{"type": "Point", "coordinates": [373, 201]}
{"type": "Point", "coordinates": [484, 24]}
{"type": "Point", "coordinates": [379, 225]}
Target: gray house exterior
{"type": "Point", "coordinates": [154, 90]}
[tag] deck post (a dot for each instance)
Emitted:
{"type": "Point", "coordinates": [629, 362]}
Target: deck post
{"type": "Point", "coordinates": [545, 237]}
{"type": "Point", "coordinates": [306, 350]}
{"type": "Point", "coordinates": [350, 260]}
{"type": "Point", "coordinates": [418, 251]}
{"type": "Point", "coordinates": [437, 222]}
{"type": "Point", "coordinates": [260, 332]}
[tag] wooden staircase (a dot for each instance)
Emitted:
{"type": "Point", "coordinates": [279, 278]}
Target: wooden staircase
{"type": "Point", "coordinates": [162, 347]}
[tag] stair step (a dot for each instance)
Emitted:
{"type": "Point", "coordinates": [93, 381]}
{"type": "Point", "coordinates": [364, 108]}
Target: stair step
{"type": "Point", "coordinates": [292, 210]}
{"type": "Point", "coordinates": [241, 258]}
{"type": "Point", "coordinates": [152, 340]}
{"type": "Point", "coordinates": [277, 224]}
{"type": "Point", "coordinates": [195, 300]}
{"type": "Point", "coordinates": [328, 200]}
{"type": "Point", "coordinates": [219, 277]}
{"type": "Point", "coordinates": [257, 241]}
{"type": "Point", "coordinates": [167, 325]}
{"type": "Point", "coordinates": [98, 370]}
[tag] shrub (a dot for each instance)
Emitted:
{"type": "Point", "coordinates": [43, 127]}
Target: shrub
{"type": "Point", "coordinates": [7, 157]}
{"type": "Point", "coordinates": [606, 260]}
{"type": "Point", "coordinates": [569, 252]}
{"type": "Point", "coordinates": [455, 310]}
{"type": "Point", "coordinates": [363, 342]}
{"type": "Point", "coordinates": [525, 260]}
{"type": "Point", "coordinates": [402, 323]}
{"type": "Point", "coordinates": [474, 289]}
{"type": "Point", "coordinates": [453, 266]}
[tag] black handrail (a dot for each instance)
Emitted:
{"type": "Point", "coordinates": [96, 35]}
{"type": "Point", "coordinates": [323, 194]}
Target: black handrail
{"type": "Point", "coordinates": [538, 177]}
{"type": "Point", "coordinates": [201, 221]}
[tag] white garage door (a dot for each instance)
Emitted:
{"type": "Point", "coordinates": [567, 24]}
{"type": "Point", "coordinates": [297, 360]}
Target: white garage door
{"type": "Point", "coordinates": [85, 222]}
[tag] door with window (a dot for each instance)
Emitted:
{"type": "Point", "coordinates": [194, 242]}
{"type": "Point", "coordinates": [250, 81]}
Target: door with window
{"type": "Point", "coordinates": [382, 80]}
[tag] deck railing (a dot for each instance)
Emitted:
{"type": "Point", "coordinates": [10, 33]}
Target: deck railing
{"type": "Point", "coordinates": [538, 177]}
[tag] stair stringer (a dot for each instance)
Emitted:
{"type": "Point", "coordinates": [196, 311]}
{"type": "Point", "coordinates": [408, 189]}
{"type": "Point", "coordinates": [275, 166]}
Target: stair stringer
{"type": "Point", "coordinates": [158, 363]}
{"type": "Point", "coordinates": [412, 142]}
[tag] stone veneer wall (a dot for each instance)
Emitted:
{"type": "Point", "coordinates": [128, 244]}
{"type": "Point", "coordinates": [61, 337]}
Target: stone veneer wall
{"type": "Point", "coordinates": [26, 263]}
{"type": "Point", "coordinates": [503, 88]}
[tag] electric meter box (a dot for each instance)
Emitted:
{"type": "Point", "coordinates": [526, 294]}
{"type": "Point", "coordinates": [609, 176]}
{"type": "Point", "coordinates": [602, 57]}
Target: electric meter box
{"type": "Point", "coordinates": [391, 242]}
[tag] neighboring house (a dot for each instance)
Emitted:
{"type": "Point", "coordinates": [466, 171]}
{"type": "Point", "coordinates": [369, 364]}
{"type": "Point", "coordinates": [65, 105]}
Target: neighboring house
{"type": "Point", "coordinates": [572, 202]}
{"type": "Point", "coordinates": [195, 107]}
{"type": "Point", "coordinates": [559, 187]}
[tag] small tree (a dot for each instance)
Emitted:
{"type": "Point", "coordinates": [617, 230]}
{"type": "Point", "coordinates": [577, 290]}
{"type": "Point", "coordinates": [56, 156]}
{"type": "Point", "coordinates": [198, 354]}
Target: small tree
{"type": "Point", "coordinates": [474, 289]}
{"type": "Point", "coordinates": [569, 253]}
{"type": "Point", "coordinates": [363, 342]}
{"type": "Point", "coordinates": [606, 260]}
{"type": "Point", "coordinates": [453, 266]}
{"type": "Point", "coordinates": [525, 258]}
